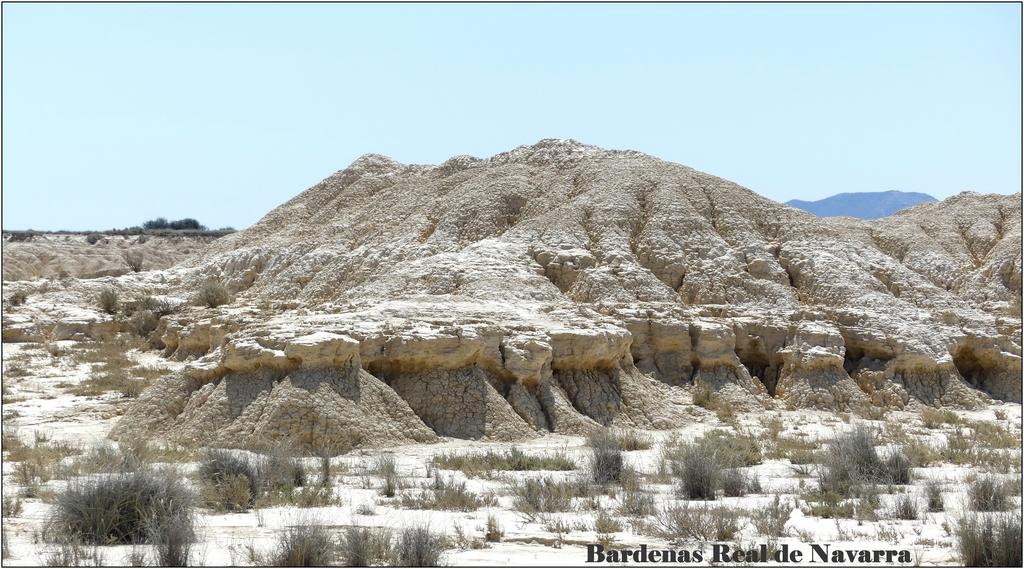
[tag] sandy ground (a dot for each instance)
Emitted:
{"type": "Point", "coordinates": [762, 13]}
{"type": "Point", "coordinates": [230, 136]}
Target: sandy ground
{"type": "Point", "coordinates": [36, 402]}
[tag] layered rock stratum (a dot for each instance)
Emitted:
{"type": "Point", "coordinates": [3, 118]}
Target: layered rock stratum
{"type": "Point", "coordinates": [559, 287]}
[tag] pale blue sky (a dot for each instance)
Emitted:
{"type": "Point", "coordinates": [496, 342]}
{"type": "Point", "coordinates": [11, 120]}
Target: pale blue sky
{"type": "Point", "coordinates": [115, 114]}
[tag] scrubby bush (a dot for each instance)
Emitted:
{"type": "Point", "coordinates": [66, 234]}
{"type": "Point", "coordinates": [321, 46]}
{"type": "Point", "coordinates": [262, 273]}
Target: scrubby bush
{"type": "Point", "coordinates": [232, 481]}
{"type": "Point", "coordinates": [851, 460]}
{"type": "Point", "coordinates": [144, 506]}
{"type": "Point", "coordinates": [493, 532]}
{"type": "Point", "coordinates": [363, 547]}
{"type": "Point", "coordinates": [535, 496]}
{"type": "Point", "coordinates": [143, 323]}
{"type": "Point", "coordinates": [988, 494]}
{"type": "Point", "coordinates": [699, 468]}
{"type": "Point", "coordinates": [419, 547]}
{"type": "Point", "coordinates": [905, 507]}
{"type": "Point", "coordinates": [385, 467]}
{"type": "Point", "coordinates": [108, 300]}
{"type": "Point", "coordinates": [18, 297]}
{"type": "Point", "coordinates": [933, 493]}
{"type": "Point", "coordinates": [93, 238]}
{"type": "Point", "coordinates": [304, 545]}
{"type": "Point", "coordinates": [989, 541]}
{"type": "Point", "coordinates": [134, 259]}
{"type": "Point", "coordinates": [770, 519]}
{"type": "Point", "coordinates": [213, 294]}
{"type": "Point", "coordinates": [687, 521]}
{"type": "Point", "coordinates": [606, 456]}
{"type": "Point", "coordinates": [513, 459]}
{"type": "Point", "coordinates": [445, 494]}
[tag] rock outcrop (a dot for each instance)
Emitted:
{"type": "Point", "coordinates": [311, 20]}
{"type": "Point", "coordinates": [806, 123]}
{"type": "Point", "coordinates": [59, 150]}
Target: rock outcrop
{"type": "Point", "coordinates": [560, 286]}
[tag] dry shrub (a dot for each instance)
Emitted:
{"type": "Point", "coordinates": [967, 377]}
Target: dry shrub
{"type": "Point", "coordinates": [213, 294]}
{"type": "Point", "coordinates": [363, 547]}
{"type": "Point", "coordinates": [703, 522]}
{"type": "Point", "coordinates": [108, 300]}
{"type": "Point", "coordinates": [306, 544]}
{"type": "Point", "coordinates": [143, 506]}
{"type": "Point", "coordinates": [989, 540]}
{"type": "Point", "coordinates": [420, 547]}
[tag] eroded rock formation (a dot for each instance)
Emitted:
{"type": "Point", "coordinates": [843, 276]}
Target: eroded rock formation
{"type": "Point", "coordinates": [560, 286]}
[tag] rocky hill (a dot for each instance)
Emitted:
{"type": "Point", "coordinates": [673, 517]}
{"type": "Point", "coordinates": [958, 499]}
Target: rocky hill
{"type": "Point", "coordinates": [561, 286]}
{"type": "Point", "coordinates": [862, 205]}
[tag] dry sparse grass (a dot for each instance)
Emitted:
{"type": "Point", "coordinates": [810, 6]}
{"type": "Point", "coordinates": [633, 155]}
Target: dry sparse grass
{"type": "Point", "coordinates": [513, 459]}
{"type": "Point", "coordinates": [446, 494]}
{"type": "Point", "coordinates": [933, 418]}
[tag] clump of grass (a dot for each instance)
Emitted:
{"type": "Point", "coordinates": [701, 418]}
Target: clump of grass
{"type": "Point", "coordinates": [711, 464]}
{"type": "Point", "coordinates": [933, 495]}
{"type": "Point", "coordinates": [420, 547]}
{"type": "Point", "coordinates": [232, 480]}
{"type": "Point", "coordinates": [933, 418]}
{"type": "Point", "coordinates": [387, 469]}
{"type": "Point", "coordinates": [12, 504]}
{"type": "Point", "coordinates": [688, 521]}
{"type": "Point", "coordinates": [306, 544]}
{"type": "Point", "coordinates": [606, 457]}
{"type": "Point", "coordinates": [988, 494]}
{"type": "Point", "coordinates": [989, 541]}
{"type": "Point", "coordinates": [18, 297]}
{"type": "Point", "coordinates": [493, 532]}
{"type": "Point", "coordinates": [363, 547]}
{"type": "Point", "coordinates": [513, 459]}
{"type": "Point", "coordinates": [446, 494]}
{"type": "Point", "coordinates": [851, 460]}
{"type": "Point", "coordinates": [828, 505]}
{"type": "Point", "coordinates": [143, 506]}
{"type": "Point", "coordinates": [905, 508]}
{"type": "Point", "coordinates": [535, 496]}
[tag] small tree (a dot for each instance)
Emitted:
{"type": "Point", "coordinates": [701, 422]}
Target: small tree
{"type": "Point", "coordinates": [213, 294]}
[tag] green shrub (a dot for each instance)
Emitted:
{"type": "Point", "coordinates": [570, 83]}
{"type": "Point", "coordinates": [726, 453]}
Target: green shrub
{"type": "Point", "coordinates": [124, 508]}
{"type": "Point", "coordinates": [18, 297]}
{"type": "Point", "coordinates": [213, 294]}
{"type": "Point", "coordinates": [93, 238]}
{"type": "Point", "coordinates": [989, 541]}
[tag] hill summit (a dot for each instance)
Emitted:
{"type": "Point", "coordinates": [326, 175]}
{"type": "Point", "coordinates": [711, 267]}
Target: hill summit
{"type": "Point", "coordinates": [863, 205]}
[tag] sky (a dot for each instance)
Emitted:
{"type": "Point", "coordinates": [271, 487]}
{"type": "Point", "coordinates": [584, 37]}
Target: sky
{"type": "Point", "coordinates": [114, 114]}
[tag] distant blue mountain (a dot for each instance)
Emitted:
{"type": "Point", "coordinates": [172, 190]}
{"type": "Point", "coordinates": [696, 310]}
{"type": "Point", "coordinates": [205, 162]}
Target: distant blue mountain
{"type": "Point", "coordinates": [863, 205]}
